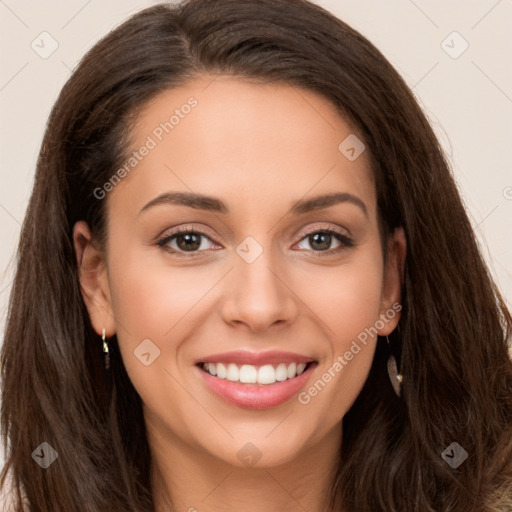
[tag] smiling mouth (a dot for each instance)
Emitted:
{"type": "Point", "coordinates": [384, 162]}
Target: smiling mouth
{"type": "Point", "coordinates": [251, 374]}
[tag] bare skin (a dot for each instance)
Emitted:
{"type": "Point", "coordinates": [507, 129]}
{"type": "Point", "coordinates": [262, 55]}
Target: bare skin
{"type": "Point", "coordinates": [259, 149]}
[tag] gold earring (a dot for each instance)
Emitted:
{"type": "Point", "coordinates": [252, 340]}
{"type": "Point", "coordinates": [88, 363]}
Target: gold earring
{"type": "Point", "coordinates": [105, 350]}
{"type": "Point", "coordinates": [395, 377]}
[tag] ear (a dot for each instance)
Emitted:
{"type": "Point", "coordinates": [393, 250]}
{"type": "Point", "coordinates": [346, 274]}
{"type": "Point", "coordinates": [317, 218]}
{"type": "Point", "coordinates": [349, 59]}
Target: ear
{"type": "Point", "coordinates": [92, 273]}
{"type": "Point", "coordinates": [393, 279]}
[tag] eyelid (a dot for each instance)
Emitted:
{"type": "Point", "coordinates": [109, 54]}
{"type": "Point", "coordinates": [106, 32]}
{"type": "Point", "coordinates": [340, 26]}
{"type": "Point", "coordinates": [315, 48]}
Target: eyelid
{"type": "Point", "coordinates": [329, 228]}
{"type": "Point", "coordinates": [186, 228]}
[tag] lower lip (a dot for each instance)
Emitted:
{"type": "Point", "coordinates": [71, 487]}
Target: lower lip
{"type": "Point", "coordinates": [257, 396]}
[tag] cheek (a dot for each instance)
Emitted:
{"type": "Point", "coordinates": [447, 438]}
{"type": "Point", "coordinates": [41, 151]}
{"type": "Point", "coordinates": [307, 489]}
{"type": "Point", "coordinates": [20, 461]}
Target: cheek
{"type": "Point", "coordinates": [154, 300]}
{"type": "Point", "coordinates": [346, 297]}
{"type": "Point", "coordinates": [347, 301]}
{"type": "Point", "coordinates": [151, 301]}
{"type": "Point", "coordinates": [155, 303]}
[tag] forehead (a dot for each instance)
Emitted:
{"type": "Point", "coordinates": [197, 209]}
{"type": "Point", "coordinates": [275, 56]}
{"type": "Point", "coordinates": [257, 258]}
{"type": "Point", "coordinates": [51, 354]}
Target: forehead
{"type": "Point", "coordinates": [258, 146]}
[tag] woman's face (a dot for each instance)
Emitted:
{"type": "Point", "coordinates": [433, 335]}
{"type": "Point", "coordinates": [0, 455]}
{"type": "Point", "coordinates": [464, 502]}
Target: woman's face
{"type": "Point", "coordinates": [256, 274]}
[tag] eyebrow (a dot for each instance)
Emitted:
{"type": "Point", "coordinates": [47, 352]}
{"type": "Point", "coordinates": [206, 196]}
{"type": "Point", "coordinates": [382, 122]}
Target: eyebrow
{"type": "Point", "coordinates": [212, 204]}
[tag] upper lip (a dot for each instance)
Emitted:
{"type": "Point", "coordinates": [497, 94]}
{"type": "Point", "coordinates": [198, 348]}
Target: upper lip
{"type": "Point", "coordinates": [255, 358]}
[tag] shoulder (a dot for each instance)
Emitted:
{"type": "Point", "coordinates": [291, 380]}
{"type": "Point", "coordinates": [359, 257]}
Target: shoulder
{"type": "Point", "coordinates": [7, 494]}
{"type": "Point", "coordinates": [6, 504]}
{"type": "Point", "coordinates": [501, 500]}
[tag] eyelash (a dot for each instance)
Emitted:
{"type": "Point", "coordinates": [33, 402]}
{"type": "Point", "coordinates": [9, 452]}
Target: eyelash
{"type": "Point", "coordinates": [345, 241]}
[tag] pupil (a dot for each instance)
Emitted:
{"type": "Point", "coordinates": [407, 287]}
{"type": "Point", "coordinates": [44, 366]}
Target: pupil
{"type": "Point", "coordinates": [314, 239]}
{"type": "Point", "coordinates": [191, 242]}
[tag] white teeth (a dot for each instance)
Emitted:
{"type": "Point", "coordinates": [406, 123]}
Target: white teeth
{"type": "Point", "coordinates": [232, 373]}
{"type": "Point", "coordinates": [249, 374]}
{"type": "Point", "coordinates": [266, 374]}
{"type": "Point", "coordinates": [281, 372]}
{"type": "Point", "coordinates": [221, 371]}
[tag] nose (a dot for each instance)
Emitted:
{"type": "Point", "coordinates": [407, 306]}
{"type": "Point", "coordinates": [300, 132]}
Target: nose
{"type": "Point", "coordinates": [258, 295]}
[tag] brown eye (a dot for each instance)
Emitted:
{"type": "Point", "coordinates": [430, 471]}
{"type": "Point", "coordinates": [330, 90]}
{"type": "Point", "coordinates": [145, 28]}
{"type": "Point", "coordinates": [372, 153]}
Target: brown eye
{"type": "Point", "coordinates": [321, 241]}
{"type": "Point", "coordinates": [186, 241]}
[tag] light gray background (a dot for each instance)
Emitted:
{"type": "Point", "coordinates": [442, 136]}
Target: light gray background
{"type": "Point", "coordinates": [468, 99]}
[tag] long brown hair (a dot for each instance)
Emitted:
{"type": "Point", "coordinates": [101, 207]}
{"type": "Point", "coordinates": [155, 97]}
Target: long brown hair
{"type": "Point", "coordinates": [454, 329]}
